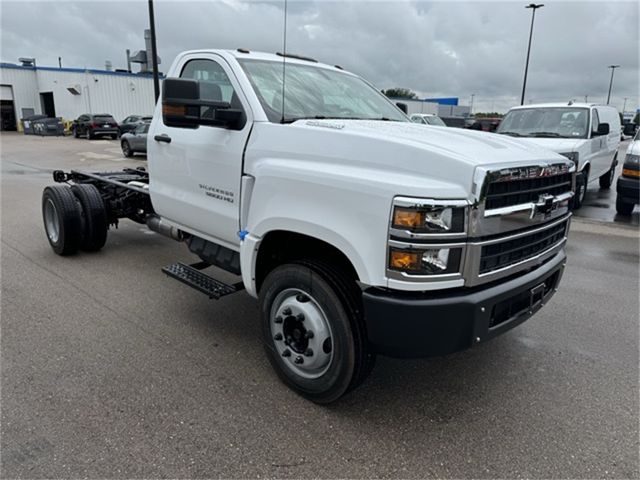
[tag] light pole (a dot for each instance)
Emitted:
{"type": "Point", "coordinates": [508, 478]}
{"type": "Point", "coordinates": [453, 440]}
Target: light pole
{"type": "Point", "coordinates": [534, 7]}
{"type": "Point", "coordinates": [624, 105]}
{"type": "Point", "coordinates": [613, 69]}
{"type": "Point", "coordinates": [154, 52]}
{"type": "Point", "coordinates": [586, 99]}
{"type": "Point", "coordinates": [471, 106]}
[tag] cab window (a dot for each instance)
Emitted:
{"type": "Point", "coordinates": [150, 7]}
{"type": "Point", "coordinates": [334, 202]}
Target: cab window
{"type": "Point", "coordinates": [214, 82]}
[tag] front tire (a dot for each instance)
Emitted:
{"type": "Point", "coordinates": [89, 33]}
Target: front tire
{"type": "Point", "coordinates": [126, 149]}
{"type": "Point", "coordinates": [62, 220]}
{"type": "Point", "coordinates": [313, 330]}
{"type": "Point", "coordinates": [581, 190]}
{"type": "Point", "coordinates": [622, 207]}
{"type": "Point", "coordinates": [94, 214]}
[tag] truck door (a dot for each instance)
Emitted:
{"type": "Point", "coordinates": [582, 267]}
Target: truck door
{"type": "Point", "coordinates": [196, 172]}
{"type": "Point", "coordinates": [600, 161]}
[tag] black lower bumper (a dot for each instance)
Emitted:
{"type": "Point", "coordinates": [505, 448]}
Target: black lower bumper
{"type": "Point", "coordinates": [401, 324]}
{"type": "Point", "coordinates": [629, 189]}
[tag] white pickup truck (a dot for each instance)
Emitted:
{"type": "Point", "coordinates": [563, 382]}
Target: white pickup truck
{"type": "Point", "coordinates": [359, 232]}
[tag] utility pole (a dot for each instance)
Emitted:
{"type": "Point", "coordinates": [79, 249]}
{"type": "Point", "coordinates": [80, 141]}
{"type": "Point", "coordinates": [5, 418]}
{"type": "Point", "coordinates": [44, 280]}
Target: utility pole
{"type": "Point", "coordinates": [586, 99]}
{"type": "Point", "coordinates": [534, 7]}
{"type": "Point", "coordinates": [154, 52]}
{"type": "Point", "coordinates": [613, 69]}
{"type": "Point", "coordinates": [471, 106]}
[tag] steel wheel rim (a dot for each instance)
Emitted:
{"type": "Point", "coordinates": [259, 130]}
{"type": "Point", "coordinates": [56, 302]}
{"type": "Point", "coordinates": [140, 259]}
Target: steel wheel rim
{"type": "Point", "coordinates": [51, 221]}
{"type": "Point", "coordinates": [125, 149]}
{"type": "Point", "coordinates": [293, 315]}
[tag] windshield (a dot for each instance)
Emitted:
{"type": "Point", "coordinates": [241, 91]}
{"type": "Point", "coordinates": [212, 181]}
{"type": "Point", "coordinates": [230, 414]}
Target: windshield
{"type": "Point", "coordinates": [314, 92]}
{"type": "Point", "coordinates": [552, 122]}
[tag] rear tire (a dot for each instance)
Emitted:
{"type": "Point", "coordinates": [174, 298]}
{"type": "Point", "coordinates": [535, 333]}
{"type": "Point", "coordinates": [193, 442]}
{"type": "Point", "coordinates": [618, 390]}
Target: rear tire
{"type": "Point", "coordinates": [75, 132]}
{"type": "Point", "coordinates": [62, 219]}
{"type": "Point", "coordinates": [88, 135]}
{"type": "Point", "coordinates": [622, 207]}
{"type": "Point", "coordinates": [337, 361]}
{"type": "Point", "coordinates": [94, 214]}
{"type": "Point", "coordinates": [581, 189]}
{"type": "Point", "coordinates": [126, 149]}
{"type": "Point", "coordinates": [606, 180]}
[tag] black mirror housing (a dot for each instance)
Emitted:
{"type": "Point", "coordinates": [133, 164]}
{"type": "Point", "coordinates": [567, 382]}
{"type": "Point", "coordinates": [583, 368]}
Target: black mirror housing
{"type": "Point", "coordinates": [183, 108]}
{"type": "Point", "coordinates": [403, 107]}
{"type": "Point", "coordinates": [603, 129]}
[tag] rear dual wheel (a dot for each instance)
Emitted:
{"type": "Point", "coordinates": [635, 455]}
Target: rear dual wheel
{"type": "Point", "coordinates": [74, 218]}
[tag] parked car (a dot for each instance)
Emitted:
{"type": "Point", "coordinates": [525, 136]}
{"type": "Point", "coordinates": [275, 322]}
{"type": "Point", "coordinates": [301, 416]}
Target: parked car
{"type": "Point", "coordinates": [130, 123]}
{"type": "Point", "coordinates": [628, 187]}
{"type": "Point", "coordinates": [486, 124]}
{"type": "Point", "coordinates": [428, 119]}
{"type": "Point", "coordinates": [95, 125]}
{"type": "Point", "coordinates": [135, 141]}
{"type": "Point", "coordinates": [585, 133]}
{"type": "Point", "coordinates": [458, 122]}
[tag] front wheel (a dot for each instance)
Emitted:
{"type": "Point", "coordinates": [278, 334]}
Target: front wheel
{"type": "Point", "coordinates": [622, 207]}
{"type": "Point", "coordinates": [126, 149]}
{"type": "Point", "coordinates": [581, 190]}
{"type": "Point", "coordinates": [313, 330]}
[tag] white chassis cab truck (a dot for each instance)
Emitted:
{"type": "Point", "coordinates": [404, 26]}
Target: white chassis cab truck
{"type": "Point", "coordinates": [359, 232]}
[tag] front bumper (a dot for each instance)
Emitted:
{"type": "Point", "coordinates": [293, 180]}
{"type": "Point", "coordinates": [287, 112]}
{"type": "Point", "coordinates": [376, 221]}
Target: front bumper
{"type": "Point", "coordinates": [629, 189]}
{"type": "Point", "coordinates": [409, 325]}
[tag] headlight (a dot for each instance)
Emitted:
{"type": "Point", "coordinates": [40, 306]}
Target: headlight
{"type": "Point", "coordinates": [573, 156]}
{"type": "Point", "coordinates": [431, 261]}
{"type": "Point", "coordinates": [631, 158]}
{"type": "Point", "coordinates": [429, 219]}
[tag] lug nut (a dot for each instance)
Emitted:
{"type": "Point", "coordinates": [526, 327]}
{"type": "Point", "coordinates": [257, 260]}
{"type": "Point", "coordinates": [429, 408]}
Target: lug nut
{"type": "Point", "coordinates": [278, 319]}
{"type": "Point", "coordinates": [278, 336]}
{"type": "Point", "coordinates": [299, 360]}
{"type": "Point", "coordinates": [300, 317]}
{"type": "Point", "coordinates": [286, 311]}
{"type": "Point", "coordinates": [308, 352]}
{"type": "Point", "coordinates": [286, 353]}
{"type": "Point", "coordinates": [308, 334]}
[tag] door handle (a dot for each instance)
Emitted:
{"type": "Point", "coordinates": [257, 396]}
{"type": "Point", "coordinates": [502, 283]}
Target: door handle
{"type": "Point", "coordinates": [162, 138]}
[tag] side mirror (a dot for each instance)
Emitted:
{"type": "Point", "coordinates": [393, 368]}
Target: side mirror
{"type": "Point", "coordinates": [603, 129]}
{"type": "Point", "coordinates": [403, 107]}
{"type": "Point", "coordinates": [183, 108]}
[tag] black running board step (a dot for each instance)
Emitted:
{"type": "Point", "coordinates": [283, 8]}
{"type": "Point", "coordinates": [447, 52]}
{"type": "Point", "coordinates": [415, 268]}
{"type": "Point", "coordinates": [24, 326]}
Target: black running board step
{"type": "Point", "coordinates": [202, 282]}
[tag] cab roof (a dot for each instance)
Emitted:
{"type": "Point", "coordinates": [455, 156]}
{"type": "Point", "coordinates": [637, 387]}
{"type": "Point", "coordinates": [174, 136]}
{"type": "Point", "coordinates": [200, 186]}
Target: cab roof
{"type": "Point", "coordinates": [558, 104]}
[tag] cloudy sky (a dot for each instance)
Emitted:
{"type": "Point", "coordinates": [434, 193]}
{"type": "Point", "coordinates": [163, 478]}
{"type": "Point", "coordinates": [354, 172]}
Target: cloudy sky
{"type": "Point", "coordinates": [445, 48]}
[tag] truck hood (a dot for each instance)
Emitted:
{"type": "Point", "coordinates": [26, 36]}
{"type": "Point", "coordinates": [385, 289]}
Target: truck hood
{"type": "Point", "coordinates": [558, 145]}
{"type": "Point", "coordinates": [410, 159]}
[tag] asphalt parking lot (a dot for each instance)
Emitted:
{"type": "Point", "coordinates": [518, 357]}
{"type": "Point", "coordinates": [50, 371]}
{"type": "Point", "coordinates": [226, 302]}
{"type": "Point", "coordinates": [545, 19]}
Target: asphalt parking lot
{"type": "Point", "coordinates": [110, 369]}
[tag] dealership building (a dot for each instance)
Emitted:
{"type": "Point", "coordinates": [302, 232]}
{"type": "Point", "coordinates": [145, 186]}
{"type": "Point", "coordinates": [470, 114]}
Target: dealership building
{"type": "Point", "coordinates": [71, 92]}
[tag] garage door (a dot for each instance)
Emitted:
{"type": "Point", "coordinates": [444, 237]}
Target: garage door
{"type": "Point", "coordinates": [6, 93]}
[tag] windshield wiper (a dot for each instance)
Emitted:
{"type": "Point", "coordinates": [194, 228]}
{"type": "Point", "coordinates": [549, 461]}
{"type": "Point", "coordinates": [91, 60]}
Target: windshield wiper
{"type": "Point", "coordinates": [544, 134]}
{"type": "Point", "coordinates": [513, 134]}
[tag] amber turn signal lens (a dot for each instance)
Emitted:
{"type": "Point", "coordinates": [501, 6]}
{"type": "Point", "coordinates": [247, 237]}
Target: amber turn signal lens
{"type": "Point", "coordinates": [403, 217]}
{"type": "Point", "coordinates": [627, 172]}
{"type": "Point", "coordinates": [403, 260]}
{"type": "Point", "coordinates": [180, 110]}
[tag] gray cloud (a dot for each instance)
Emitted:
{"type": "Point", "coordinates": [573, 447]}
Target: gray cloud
{"type": "Point", "coordinates": [434, 48]}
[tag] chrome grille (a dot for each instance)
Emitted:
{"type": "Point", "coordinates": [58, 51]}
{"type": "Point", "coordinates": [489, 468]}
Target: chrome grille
{"type": "Point", "coordinates": [503, 193]}
{"type": "Point", "coordinates": [510, 252]}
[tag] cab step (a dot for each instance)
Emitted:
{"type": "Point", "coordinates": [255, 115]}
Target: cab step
{"type": "Point", "coordinates": [192, 276]}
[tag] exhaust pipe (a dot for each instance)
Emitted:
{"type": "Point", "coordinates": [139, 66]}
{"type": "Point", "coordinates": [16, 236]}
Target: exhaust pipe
{"type": "Point", "coordinates": [155, 224]}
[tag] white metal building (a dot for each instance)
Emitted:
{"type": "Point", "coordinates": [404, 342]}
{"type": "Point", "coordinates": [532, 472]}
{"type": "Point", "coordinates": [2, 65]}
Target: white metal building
{"type": "Point", "coordinates": [70, 92]}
